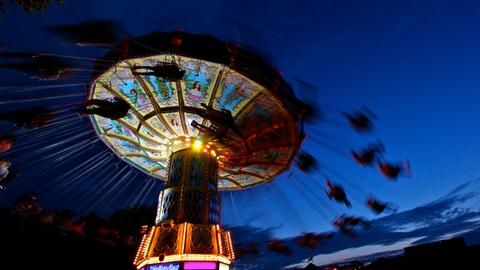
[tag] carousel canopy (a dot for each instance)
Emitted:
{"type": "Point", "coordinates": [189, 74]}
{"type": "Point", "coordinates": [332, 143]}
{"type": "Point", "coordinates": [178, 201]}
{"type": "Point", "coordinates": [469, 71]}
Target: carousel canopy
{"type": "Point", "coordinates": [168, 115]}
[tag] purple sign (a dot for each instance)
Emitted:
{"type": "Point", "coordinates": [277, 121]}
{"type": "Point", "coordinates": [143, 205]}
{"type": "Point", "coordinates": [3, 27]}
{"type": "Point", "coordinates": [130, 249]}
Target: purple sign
{"type": "Point", "coordinates": [167, 266]}
{"type": "Point", "coordinates": [200, 266]}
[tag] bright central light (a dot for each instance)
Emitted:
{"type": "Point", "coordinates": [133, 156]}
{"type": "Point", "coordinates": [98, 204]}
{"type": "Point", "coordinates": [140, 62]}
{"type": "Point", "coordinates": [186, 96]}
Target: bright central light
{"type": "Point", "coordinates": [197, 145]}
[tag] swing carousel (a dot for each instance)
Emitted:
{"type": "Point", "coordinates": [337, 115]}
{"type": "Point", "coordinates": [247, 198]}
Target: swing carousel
{"type": "Point", "coordinates": [230, 123]}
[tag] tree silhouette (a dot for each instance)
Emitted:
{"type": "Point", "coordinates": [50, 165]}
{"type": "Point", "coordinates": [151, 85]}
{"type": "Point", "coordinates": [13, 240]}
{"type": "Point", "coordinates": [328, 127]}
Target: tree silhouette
{"type": "Point", "coordinates": [84, 242]}
{"type": "Point", "coordinates": [31, 5]}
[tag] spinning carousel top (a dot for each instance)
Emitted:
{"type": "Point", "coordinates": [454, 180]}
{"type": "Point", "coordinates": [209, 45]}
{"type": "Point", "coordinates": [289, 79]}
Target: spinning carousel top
{"type": "Point", "coordinates": [225, 104]}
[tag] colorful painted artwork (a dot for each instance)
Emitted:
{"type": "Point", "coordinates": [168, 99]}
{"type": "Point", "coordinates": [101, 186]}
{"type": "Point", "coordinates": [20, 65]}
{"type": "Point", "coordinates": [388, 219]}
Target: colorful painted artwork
{"type": "Point", "coordinates": [199, 79]}
{"type": "Point", "coordinates": [235, 91]}
{"type": "Point", "coordinates": [189, 118]}
{"type": "Point", "coordinates": [175, 123]}
{"type": "Point", "coordinates": [165, 92]}
{"type": "Point", "coordinates": [163, 111]}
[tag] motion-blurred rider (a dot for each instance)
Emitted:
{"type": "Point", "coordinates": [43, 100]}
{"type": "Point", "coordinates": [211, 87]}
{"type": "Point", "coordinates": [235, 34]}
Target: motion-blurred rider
{"type": "Point", "coordinates": [112, 109]}
{"type": "Point", "coordinates": [361, 121]}
{"type": "Point", "coordinates": [347, 223]}
{"type": "Point", "coordinates": [368, 155]}
{"type": "Point", "coordinates": [168, 71]}
{"type": "Point", "coordinates": [6, 143]}
{"type": "Point", "coordinates": [28, 118]}
{"type": "Point", "coordinates": [379, 207]}
{"type": "Point", "coordinates": [392, 171]}
{"type": "Point", "coordinates": [337, 193]}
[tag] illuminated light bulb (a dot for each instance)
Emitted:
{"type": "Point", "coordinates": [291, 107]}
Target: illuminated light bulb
{"type": "Point", "coordinates": [204, 150]}
{"type": "Point", "coordinates": [213, 153]}
{"type": "Point", "coordinates": [187, 139]}
{"type": "Point", "coordinates": [177, 142]}
{"type": "Point", "coordinates": [197, 145]}
{"type": "Point", "coordinates": [208, 146]}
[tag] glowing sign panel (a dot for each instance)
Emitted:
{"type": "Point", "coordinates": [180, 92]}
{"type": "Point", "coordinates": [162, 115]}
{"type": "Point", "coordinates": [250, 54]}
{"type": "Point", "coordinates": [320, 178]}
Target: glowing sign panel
{"type": "Point", "coordinates": [200, 266]}
{"type": "Point", "coordinates": [170, 266]}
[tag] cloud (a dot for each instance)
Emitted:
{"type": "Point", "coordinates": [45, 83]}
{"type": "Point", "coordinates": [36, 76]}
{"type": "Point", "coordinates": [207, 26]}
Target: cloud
{"type": "Point", "coordinates": [352, 253]}
{"type": "Point", "coordinates": [455, 214]}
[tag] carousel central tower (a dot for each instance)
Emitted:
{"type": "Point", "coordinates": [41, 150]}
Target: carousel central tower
{"type": "Point", "coordinates": [187, 231]}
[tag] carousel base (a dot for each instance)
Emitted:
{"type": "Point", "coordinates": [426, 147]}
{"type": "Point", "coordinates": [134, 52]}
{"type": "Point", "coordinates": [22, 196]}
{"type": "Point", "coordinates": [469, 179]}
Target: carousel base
{"type": "Point", "coordinates": [185, 265]}
{"type": "Point", "coordinates": [185, 246]}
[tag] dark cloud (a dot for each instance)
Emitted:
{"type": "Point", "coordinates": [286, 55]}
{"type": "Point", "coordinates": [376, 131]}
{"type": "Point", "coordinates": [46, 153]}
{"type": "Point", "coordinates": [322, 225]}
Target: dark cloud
{"type": "Point", "coordinates": [455, 214]}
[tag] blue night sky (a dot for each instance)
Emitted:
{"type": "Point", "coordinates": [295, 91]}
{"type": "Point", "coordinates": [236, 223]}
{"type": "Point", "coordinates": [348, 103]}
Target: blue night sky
{"type": "Point", "coordinates": [414, 63]}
